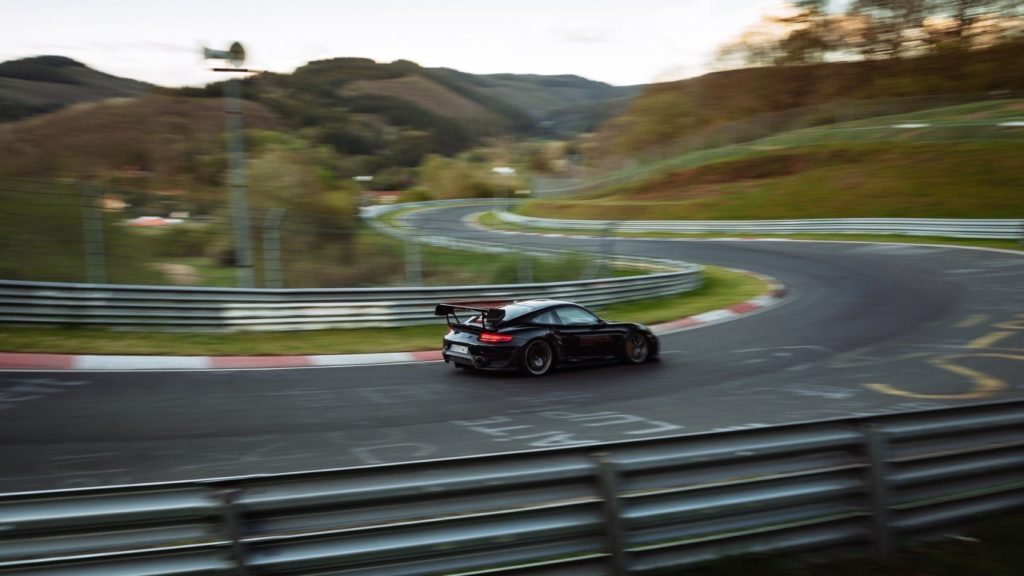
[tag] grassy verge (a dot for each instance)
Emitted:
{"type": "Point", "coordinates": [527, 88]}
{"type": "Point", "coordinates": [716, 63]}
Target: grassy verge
{"type": "Point", "coordinates": [722, 288]}
{"type": "Point", "coordinates": [891, 180]}
{"type": "Point", "coordinates": [491, 221]}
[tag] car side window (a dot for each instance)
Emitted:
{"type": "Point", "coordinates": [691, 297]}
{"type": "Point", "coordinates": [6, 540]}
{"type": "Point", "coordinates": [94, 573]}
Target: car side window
{"type": "Point", "coordinates": [550, 318]}
{"type": "Point", "coordinates": [573, 316]}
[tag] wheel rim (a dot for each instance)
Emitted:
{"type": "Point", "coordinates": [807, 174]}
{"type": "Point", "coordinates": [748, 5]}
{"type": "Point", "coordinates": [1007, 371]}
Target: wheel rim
{"type": "Point", "coordinates": [636, 348]}
{"type": "Point", "coordinates": [538, 357]}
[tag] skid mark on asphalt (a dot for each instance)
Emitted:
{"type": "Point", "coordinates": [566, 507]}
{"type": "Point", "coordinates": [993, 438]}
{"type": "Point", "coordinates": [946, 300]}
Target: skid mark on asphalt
{"type": "Point", "coordinates": [17, 391]}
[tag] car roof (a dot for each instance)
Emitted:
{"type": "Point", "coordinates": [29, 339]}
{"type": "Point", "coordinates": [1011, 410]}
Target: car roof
{"type": "Point", "coordinates": [540, 304]}
{"type": "Point", "coordinates": [516, 310]}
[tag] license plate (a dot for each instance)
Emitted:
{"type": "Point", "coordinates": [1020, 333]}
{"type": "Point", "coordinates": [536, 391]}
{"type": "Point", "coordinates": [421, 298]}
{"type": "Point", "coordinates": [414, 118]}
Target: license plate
{"type": "Point", "coordinates": [460, 349]}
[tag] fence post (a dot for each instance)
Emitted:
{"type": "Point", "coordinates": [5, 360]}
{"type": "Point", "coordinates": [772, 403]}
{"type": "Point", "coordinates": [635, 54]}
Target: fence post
{"type": "Point", "coordinates": [525, 268]}
{"type": "Point", "coordinates": [272, 268]}
{"type": "Point", "coordinates": [413, 260]}
{"type": "Point", "coordinates": [608, 488]}
{"type": "Point", "coordinates": [92, 222]}
{"type": "Point", "coordinates": [877, 444]}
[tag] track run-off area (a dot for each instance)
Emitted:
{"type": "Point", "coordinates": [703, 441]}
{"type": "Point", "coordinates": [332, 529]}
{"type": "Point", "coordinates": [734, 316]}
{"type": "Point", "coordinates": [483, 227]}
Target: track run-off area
{"type": "Point", "coordinates": [864, 329]}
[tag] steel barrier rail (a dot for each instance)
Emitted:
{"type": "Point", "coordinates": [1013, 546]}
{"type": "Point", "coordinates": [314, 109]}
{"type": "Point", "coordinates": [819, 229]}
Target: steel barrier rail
{"type": "Point", "coordinates": [220, 309]}
{"type": "Point", "coordinates": [621, 508]}
{"type": "Point", "coordinates": [1008, 229]}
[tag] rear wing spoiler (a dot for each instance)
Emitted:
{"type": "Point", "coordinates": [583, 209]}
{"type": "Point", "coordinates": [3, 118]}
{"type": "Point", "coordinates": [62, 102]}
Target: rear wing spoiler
{"type": "Point", "coordinates": [450, 311]}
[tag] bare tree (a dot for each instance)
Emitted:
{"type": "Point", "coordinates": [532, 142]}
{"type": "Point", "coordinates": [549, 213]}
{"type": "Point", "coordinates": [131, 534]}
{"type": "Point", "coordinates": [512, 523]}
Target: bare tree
{"type": "Point", "coordinates": [966, 24]}
{"type": "Point", "coordinates": [890, 28]}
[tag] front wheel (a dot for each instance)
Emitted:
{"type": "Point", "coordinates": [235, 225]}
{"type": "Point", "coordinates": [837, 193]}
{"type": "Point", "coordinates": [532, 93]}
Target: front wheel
{"type": "Point", "coordinates": [635, 348]}
{"type": "Point", "coordinates": [537, 358]}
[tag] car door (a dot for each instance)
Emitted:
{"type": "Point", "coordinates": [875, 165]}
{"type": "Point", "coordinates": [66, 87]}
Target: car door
{"type": "Point", "coordinates": [586, 336]}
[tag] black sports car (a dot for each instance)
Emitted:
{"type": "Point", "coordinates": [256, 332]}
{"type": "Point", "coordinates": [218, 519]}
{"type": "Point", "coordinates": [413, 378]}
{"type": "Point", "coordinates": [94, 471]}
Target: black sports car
{"type": "Point", "coordinates": [536, 335]}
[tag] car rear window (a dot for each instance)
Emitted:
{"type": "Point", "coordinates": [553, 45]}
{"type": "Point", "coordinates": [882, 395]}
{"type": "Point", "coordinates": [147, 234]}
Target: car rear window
{"type": "Point", "coordinates": [515, 311]}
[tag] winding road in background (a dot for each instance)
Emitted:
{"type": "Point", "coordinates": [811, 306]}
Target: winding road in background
{"type": "Point", "coordinates": [865, 329]}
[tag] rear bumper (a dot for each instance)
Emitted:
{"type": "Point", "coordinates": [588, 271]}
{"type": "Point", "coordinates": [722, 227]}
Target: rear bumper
{"type": "Point", "coordinates": [482, 357]}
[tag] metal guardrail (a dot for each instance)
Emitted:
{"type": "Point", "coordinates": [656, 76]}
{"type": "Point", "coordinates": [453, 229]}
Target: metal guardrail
{"type": "Point", "coordinates": [192, 309]}
{"type": "Point", "coordinates": [951, 228]}
{"type": "Point", "coordinates": [624, 508]}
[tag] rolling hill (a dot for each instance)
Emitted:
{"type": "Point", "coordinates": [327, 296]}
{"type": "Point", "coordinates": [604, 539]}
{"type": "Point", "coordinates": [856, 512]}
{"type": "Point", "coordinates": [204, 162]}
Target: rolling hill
{"type": "Point", "coordinates": [366, 117]}
{"type": "Point", "coordinates": [401, 111]}
{"type": "Point", "coordinates": [948, 162]}
{"type": "Point", "coordinates": [42, 84]}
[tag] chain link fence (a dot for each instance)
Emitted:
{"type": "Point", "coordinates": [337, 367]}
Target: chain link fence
{"type": "Point", "coordinates": [80, 232]}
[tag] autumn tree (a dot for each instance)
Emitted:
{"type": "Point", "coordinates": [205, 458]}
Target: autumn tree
{"type": "Point", "coordinates": [806, 34]}
{"type": "Point", "coordinates": [965, 24]}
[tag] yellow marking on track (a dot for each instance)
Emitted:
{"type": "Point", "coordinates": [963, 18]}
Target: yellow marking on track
{"type": "Point", "coordinates": [985, 385]}
{"type": "Point", "coordinates": [1017, 324]}
{"type": "Point", "coordinates": [972, 320]}
{"type": "Point", "coordinates": [988, 340]}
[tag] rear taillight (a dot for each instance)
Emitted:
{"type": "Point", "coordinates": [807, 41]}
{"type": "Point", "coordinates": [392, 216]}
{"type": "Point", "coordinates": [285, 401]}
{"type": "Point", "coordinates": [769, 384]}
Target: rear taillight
{"type": "Point", "coordinates": [492, 338]}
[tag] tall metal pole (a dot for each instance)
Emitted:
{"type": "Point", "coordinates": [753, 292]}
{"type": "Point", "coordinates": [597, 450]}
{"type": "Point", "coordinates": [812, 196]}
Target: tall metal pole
{"type": "Point", "coordinates": [236, 161]}
{"type": "Point", "coordinates": [236, 182]}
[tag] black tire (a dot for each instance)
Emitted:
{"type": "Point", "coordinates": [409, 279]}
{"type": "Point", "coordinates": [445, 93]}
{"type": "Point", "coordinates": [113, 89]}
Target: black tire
{"type": "Point", "coordinates": [635, 348]}
{"type": "Point", "coordinates": [537, 359]}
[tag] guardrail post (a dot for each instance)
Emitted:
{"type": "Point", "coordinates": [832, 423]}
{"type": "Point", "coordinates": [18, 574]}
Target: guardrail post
{"type": "Point", "coordinates": [233, 528]}
{"type": "Point", "coordinates": [608, 487]}
{"type": "Point", "coordinates": [877, 444]}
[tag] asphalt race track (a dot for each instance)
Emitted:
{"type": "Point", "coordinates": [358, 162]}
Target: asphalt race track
{"type": "Point", "coordinates": [865, 329]}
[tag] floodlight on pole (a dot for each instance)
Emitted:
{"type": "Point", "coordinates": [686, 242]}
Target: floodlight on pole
{"type": "Point", "coordinates": [235, 54]}
{"type": "Point", "coordinates": [236, 161]}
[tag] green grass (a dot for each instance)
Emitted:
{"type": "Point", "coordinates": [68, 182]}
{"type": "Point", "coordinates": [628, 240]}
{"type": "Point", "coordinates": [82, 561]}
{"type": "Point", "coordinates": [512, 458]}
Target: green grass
{"type": "Point", "coordinates": [963, 180]}
{"type": "Point", "coordinates": [865, 168]}
{"type": "Point", "coordinates": [722, 288]}
{"type": "Point", "coordinates": [946, 125]}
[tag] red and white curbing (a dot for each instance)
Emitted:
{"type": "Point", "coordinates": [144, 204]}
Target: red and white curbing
{"type": "Point", "coordinates": [773, 297]}
{"type": "Point", "coordinates": [87, 362]}
{"type": "Point", "coordinates": [25, 361]}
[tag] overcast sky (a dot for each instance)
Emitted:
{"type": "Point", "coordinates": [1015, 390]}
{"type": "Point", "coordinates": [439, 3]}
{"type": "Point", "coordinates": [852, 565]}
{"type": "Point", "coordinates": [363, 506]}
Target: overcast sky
{"type": "Point", "coordinates": [616, 41]}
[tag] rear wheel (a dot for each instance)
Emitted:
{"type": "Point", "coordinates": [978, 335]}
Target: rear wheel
{"type": "Point", "coordinates": [635, 348]}
{"type": "Point", "coordinates": [537, 358]}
